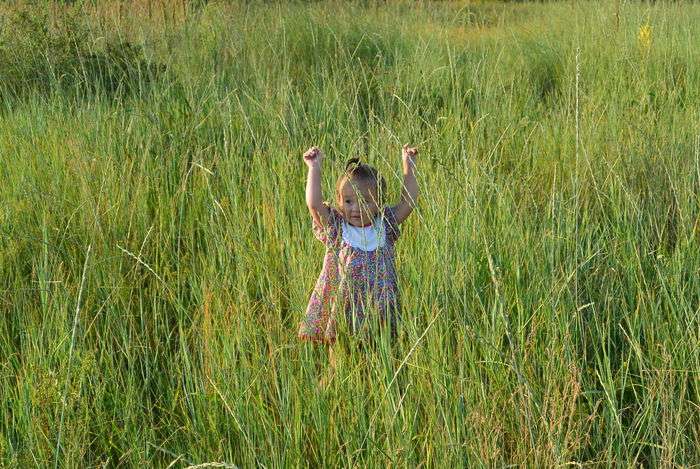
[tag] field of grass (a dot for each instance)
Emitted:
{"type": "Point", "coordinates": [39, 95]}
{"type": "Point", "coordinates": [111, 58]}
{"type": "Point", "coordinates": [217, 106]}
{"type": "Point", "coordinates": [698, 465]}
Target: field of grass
{"type": "Point", "coordinates": [156, 253]}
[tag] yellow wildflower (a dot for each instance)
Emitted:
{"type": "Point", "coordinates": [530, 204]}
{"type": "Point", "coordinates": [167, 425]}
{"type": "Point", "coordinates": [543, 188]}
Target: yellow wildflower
{"type": "Point", "coordinates": [644, 37]}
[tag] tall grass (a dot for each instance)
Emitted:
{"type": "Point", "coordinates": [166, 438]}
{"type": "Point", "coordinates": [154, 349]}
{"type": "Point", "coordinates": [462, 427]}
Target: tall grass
{"type": "Point", "coordinates": [550, 283]}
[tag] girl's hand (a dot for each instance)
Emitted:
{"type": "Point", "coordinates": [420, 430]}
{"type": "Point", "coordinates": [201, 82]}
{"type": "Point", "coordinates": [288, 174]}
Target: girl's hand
{"type": "Point", "coordinates": [313, 157]}
{"type": "Point", "coordinates": [314, 199]}
{"type": "Point", "coordinates": [409, 194]}
{"type": "Point", "coordinates": [409, 154]}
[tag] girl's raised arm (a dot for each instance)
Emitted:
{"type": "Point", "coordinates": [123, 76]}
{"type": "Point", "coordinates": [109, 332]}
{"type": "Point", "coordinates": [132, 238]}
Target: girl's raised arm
{"type": "Point", "coordinates": [409, 193]}
{"type": "Point", "coordinates": [314, 199]}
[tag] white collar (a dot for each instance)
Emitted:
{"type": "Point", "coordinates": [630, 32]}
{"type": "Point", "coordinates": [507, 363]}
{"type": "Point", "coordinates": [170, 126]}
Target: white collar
{"type": "Point", "coordinates": [367, 238]}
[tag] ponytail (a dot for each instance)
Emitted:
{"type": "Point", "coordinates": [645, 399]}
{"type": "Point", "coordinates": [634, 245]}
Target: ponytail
{"type": "Point", "coordinates": [352, 164]}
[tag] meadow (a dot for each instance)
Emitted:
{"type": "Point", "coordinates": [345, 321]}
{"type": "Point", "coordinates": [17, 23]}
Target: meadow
{"type": "Point", "coordinates": [156, 253]}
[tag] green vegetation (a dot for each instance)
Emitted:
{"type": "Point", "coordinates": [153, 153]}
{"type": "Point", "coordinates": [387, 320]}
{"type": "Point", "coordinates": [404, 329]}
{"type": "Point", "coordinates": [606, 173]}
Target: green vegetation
{"type": "Point", "coordinates": [156, 253]}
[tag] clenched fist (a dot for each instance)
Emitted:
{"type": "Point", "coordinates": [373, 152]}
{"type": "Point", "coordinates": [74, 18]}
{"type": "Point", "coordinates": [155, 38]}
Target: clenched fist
{"type": "Point", "coordinates": [409, 153]}
{"type": "Point", "coordinates": [313, 157]}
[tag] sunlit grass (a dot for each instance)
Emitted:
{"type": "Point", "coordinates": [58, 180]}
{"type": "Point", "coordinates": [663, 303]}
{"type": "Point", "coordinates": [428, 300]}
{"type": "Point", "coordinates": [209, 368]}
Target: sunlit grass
{"type": "Point", "coordinates": [550, 301]}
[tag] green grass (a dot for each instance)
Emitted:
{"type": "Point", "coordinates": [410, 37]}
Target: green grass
{"type": "Point", "coordinates": [551, 289]}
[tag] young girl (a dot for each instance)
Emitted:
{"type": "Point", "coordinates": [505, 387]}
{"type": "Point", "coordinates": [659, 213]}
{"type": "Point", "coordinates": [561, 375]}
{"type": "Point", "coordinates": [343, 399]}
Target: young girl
{"type": "Point", "coordinates": [358, 278]}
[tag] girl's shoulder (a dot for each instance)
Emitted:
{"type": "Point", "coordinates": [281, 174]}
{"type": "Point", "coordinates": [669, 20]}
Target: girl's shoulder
{"type": "Point", "coordinates": [329, 234]}
{"type": "Point", "coordinates": [336, 217]}
{"type": "Point", "coordinates": [392, 227]}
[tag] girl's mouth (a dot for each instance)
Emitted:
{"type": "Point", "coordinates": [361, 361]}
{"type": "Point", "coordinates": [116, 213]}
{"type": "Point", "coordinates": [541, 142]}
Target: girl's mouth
{"type": "Point", "coordinates": [360, 222]}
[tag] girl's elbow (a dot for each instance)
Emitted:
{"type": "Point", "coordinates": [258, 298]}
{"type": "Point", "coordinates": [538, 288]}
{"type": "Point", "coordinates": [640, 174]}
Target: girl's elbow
{"type": "Point", "coordinates": [314, 205]}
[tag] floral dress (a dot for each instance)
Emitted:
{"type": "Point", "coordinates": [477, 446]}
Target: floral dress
{"type": "Point", "coordinates": [353, 283]}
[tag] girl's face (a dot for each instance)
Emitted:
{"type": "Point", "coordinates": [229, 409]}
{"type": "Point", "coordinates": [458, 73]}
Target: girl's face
{"type": "Point", "coordinates": [358, 202]}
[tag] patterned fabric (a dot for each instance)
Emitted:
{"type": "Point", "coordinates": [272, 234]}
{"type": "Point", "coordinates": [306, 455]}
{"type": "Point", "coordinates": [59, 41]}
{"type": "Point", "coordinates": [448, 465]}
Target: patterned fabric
{"type": "Point", "coordinates": [353, 283]}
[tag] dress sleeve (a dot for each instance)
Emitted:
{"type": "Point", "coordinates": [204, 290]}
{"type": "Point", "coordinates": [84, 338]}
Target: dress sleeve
{"type": "Point", "coordinates": [328, 235]}
{"type": "Point", "coordinates": [392, 228]}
